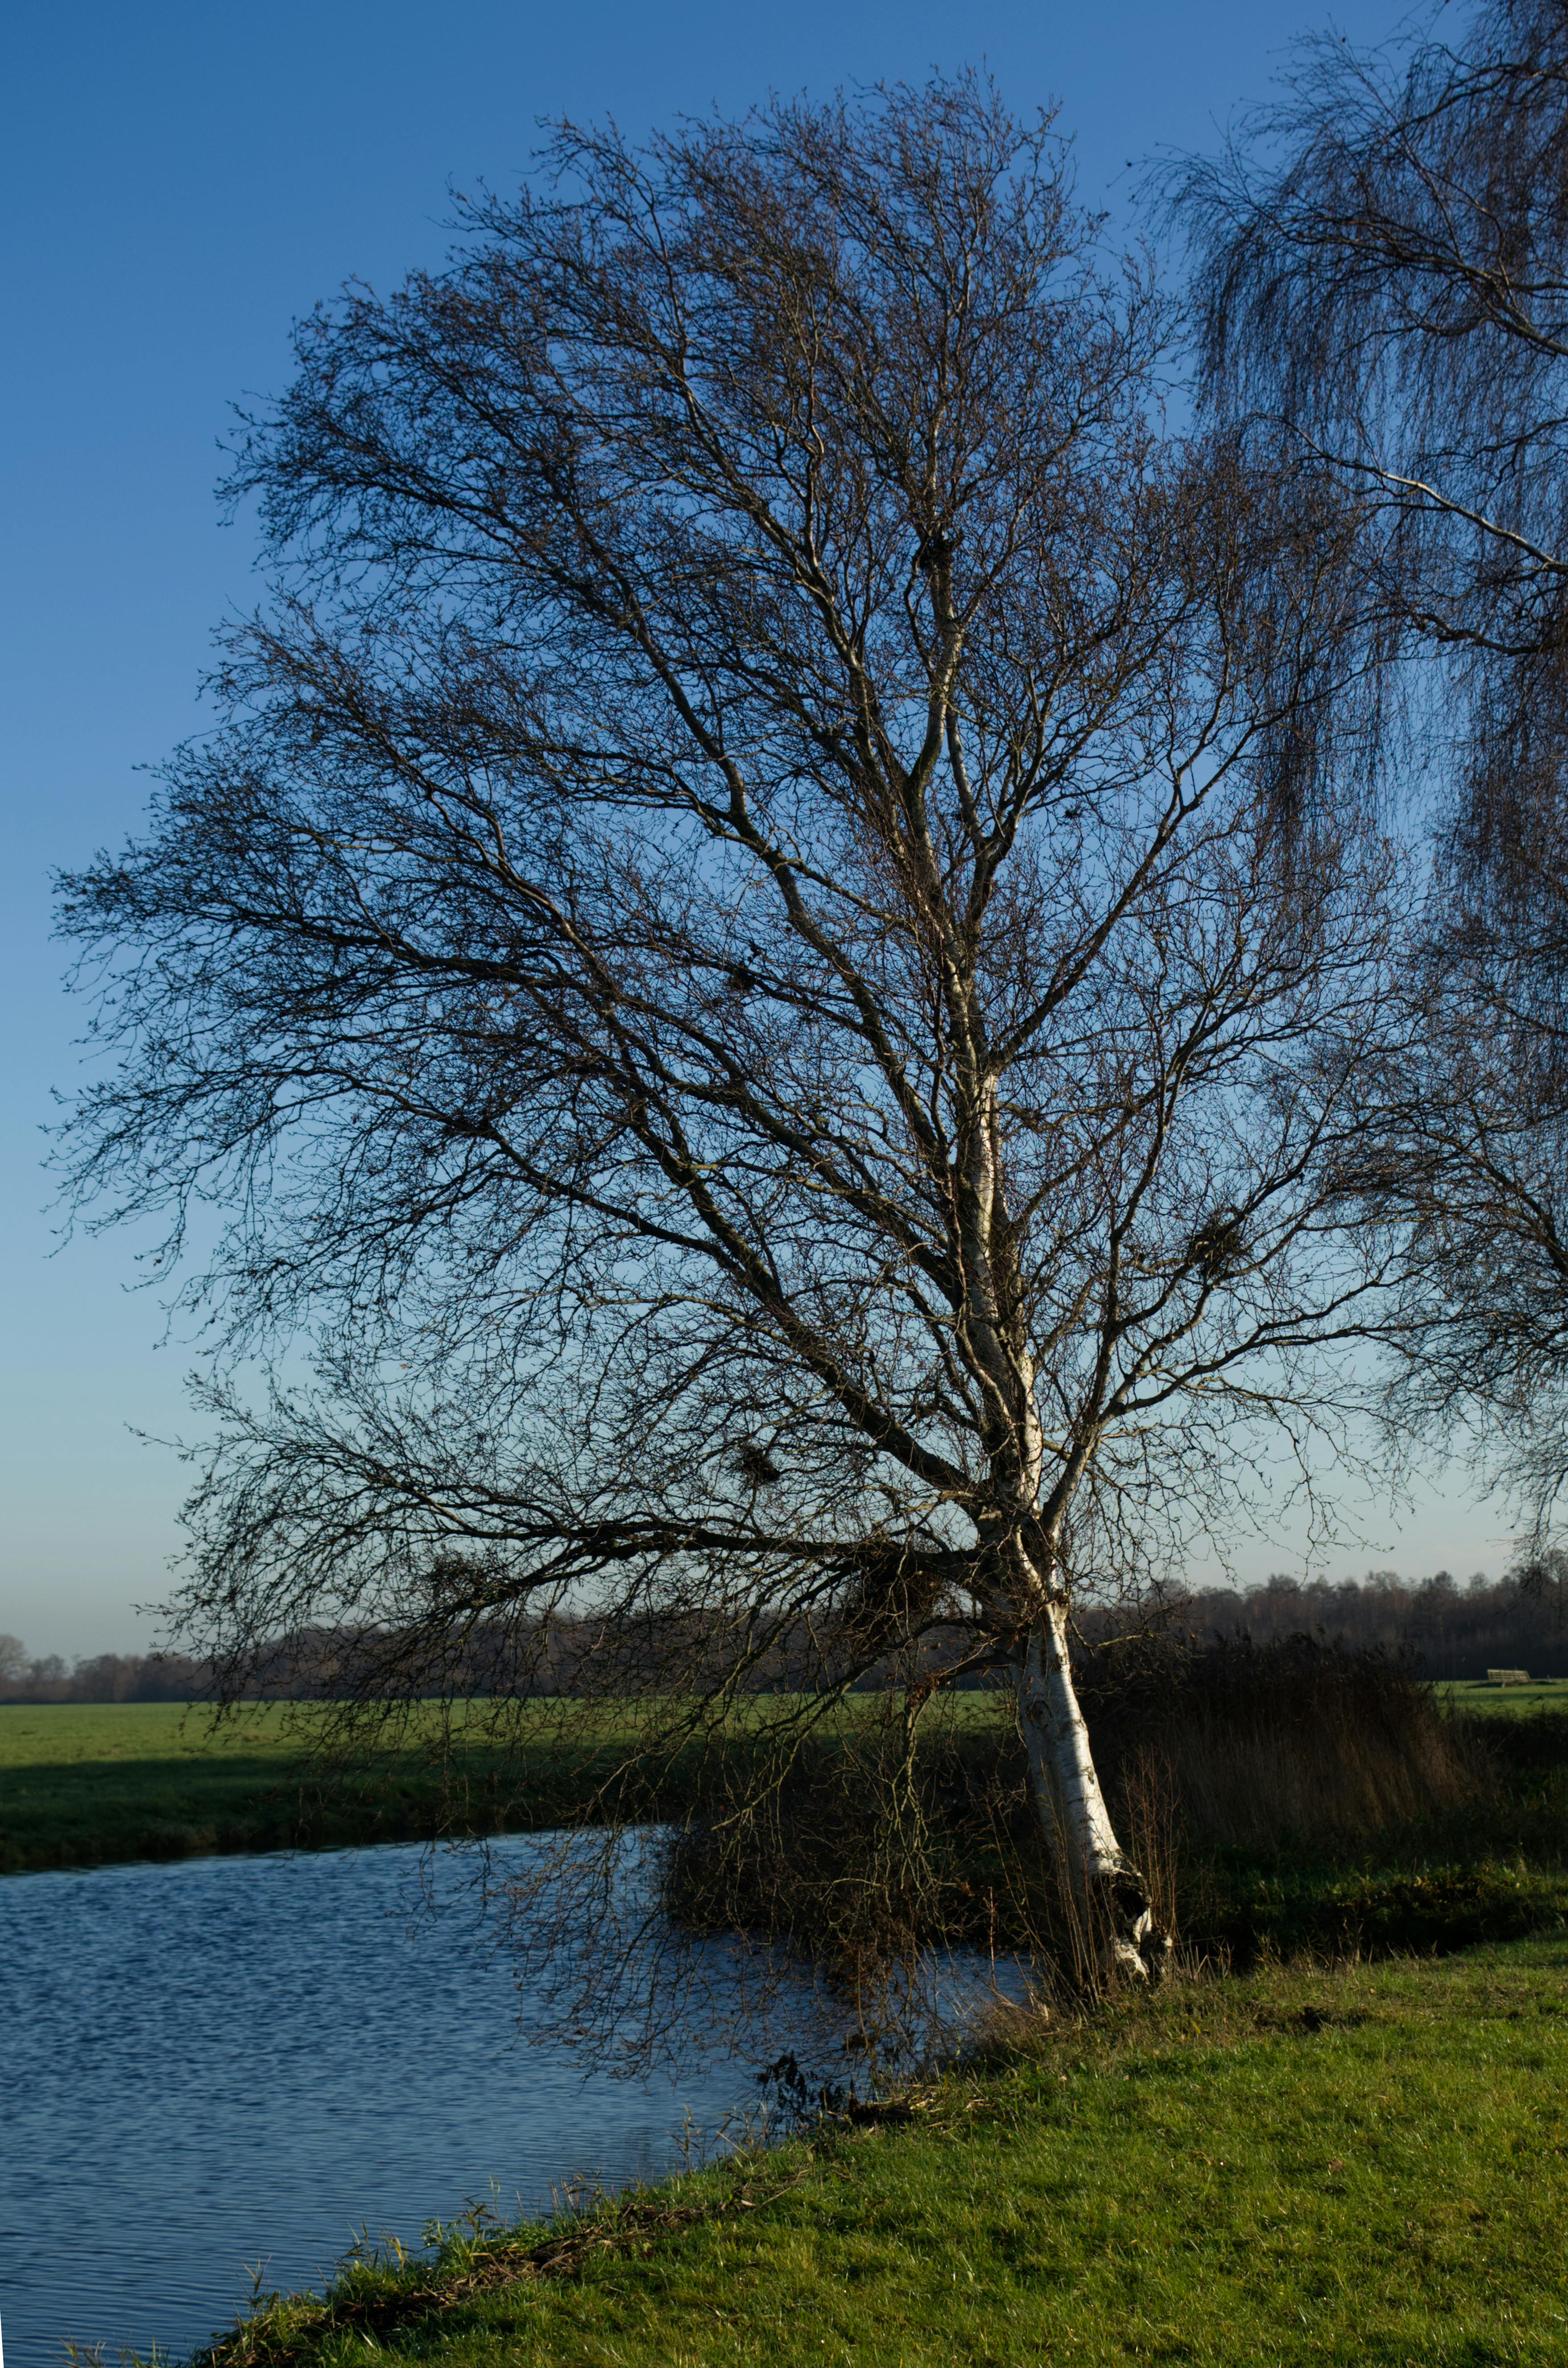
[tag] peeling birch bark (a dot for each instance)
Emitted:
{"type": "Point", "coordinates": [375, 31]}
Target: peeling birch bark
{"type": "Point", "coordinates": [1110, 1892]}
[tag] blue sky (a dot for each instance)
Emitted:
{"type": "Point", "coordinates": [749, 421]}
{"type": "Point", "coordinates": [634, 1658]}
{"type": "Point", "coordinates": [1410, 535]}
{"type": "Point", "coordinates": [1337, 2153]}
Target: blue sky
{"type": "Point", "coordinates": [180, 182]}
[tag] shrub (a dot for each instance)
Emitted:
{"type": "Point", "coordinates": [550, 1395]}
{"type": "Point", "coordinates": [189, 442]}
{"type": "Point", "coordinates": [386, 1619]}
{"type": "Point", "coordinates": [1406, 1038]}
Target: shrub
{"type": "Point", "coordinates": [885, 1835]}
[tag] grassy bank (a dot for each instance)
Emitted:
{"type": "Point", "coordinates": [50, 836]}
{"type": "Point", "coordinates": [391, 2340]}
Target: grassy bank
{"type": "Point", "coordinates": [1370, 2164]}
{"type": "Point", "coordinates": [82, 1784]}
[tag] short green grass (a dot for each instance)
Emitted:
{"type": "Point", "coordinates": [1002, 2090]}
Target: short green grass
{"type": "Point", "coordinates": [1365, 2165]}
{"type": "Point", "coordinates": [86, 1783]}
{"type": "Point", "coordinates": [82, 1783]}
{"type": "Point", "coordinates": [1475, 1697]}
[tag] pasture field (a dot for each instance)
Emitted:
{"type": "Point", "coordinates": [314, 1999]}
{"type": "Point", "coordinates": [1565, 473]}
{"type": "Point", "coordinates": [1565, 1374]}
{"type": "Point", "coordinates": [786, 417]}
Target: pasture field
{"type": "Point", "coordinates": [82, 1783]}
{"type": "Point", "coordinates": [1474, 1698]}
{"type": "Point", "coordinates": [1369, 2164]}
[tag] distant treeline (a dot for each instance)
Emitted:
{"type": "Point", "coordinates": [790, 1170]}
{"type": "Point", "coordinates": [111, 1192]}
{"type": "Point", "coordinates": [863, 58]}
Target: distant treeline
{"type": "Point", "coordinates": [1456, 1629]}
{"type": "Point", "coordinates": [104, 1678]}
{"type": "Point", "coordinates": [1451, 1629]}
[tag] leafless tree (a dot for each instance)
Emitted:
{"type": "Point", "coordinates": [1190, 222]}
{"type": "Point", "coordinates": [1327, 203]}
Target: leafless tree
{"type": "Point", "coordinates": [775, 956]}
{"type": "Point", "coordinates": [1383, 281]}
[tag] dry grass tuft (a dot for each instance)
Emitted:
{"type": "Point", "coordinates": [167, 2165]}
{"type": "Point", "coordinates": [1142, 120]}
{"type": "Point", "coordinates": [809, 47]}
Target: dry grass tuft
{"type": "Point", "coordinates": [1259, 1746]}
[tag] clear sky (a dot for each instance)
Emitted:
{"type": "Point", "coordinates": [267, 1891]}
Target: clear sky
{"type": "Point", "coordinates": [180, 182]}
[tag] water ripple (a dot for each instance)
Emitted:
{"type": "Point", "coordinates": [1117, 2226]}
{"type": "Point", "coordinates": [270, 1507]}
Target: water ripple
{"type": "Point", "coordinates": [234, 2060]}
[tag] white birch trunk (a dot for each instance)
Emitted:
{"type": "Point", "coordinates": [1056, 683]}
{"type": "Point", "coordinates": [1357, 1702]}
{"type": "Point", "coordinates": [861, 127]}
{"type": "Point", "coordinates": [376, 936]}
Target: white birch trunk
{"type": "Point", "coordinates": [1109, 1891]}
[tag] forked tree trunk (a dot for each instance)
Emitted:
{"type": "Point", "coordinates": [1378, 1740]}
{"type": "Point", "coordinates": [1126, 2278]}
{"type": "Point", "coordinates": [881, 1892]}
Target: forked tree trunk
{"type": "Point", "coordinates": [1109, 1894]}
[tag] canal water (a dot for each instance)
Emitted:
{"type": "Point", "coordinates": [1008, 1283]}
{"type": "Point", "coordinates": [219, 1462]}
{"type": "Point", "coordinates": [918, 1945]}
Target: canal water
{"type": "Point", "coordinates": [234, 2065]}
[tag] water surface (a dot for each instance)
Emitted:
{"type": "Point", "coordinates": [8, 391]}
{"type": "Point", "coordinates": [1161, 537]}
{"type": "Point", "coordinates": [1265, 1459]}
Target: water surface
{"type": "Point", "coordinates": [241, 2061]}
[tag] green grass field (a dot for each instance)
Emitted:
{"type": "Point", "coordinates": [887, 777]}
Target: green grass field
{"type": "Point", "coordinates": [1366, 2165]}
{"type": "Point", "coordinates": [82, 1783]}
{"type": "Point", "coordinates": [1477, 1698]}
{"type": "Point", "coordinates": [86, 1783]}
